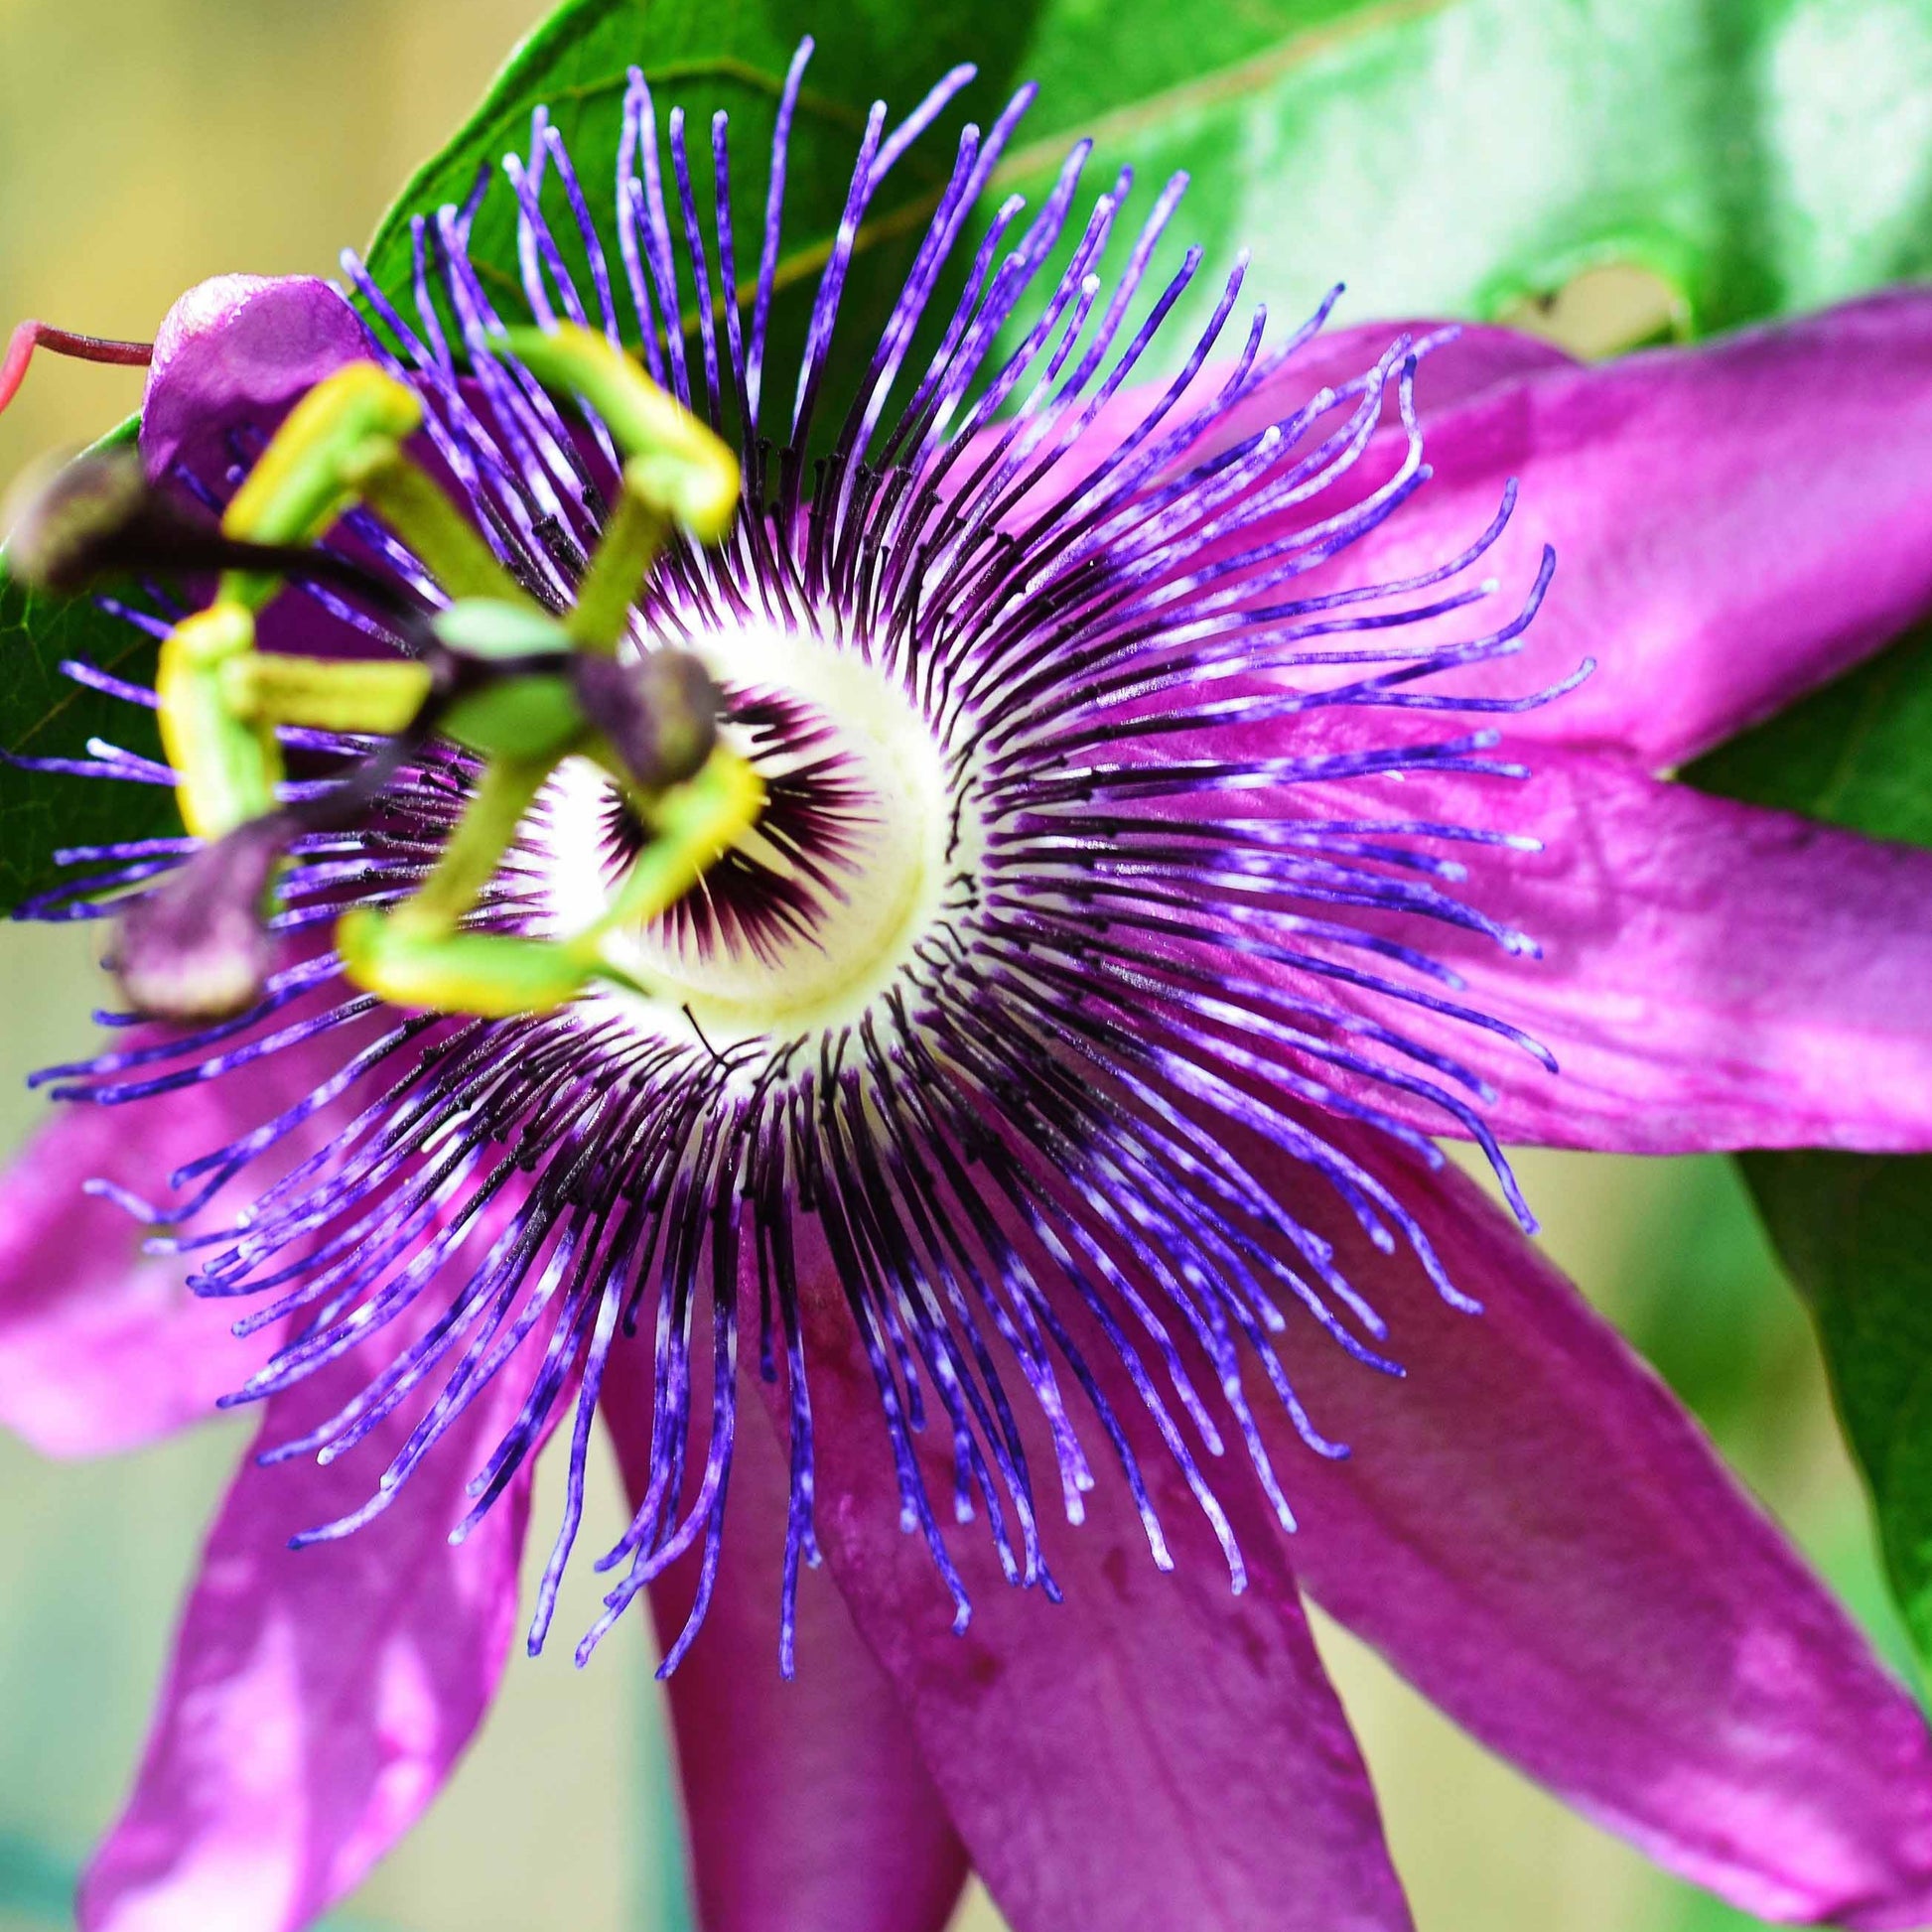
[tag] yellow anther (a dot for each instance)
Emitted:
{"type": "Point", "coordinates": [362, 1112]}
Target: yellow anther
{"type": "Point", "coordinates": [380, 695]}
{"type": "Point", "coordinates": [414, 506]}
{"type": "Point", "coordinates": [226, 767]}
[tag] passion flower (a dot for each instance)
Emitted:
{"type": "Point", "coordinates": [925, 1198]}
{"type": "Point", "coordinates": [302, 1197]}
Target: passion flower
{"type": "Point", "coordinates": [1019, 1138]}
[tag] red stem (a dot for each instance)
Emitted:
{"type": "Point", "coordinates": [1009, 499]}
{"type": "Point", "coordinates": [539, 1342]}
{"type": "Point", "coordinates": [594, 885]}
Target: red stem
{"type": "Point", "coordinates": [31, 335]}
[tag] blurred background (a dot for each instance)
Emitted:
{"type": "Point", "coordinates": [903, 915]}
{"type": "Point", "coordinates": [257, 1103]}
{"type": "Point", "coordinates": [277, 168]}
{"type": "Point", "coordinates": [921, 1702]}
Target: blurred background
{"type": "Point", "coordinates": [145, 146]}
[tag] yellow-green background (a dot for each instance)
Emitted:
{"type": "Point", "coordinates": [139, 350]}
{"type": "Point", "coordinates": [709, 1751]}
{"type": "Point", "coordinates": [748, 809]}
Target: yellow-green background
{"type": "Point", "coordinates": [145, 146]}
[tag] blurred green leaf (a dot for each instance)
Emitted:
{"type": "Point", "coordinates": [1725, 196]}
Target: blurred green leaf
{"type": "Point", "coordinates": [34, 1883]}
{"type": "Point", "coordinates": [44, 714]}
{"type": "Point", "coordinates": [663, 1864]}
{"type": "Point", "coordinates": [1708, 1308]}
{"type": "Point", "coordinates": [1698, 1911]}
{"type": "Point", "coordinates": [1856, 1230]}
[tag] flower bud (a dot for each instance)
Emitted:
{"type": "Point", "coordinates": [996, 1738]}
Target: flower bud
{"type": "Point", "coordinates": [195, 947]}
{"type": "Point", "coordinates": [659, 711]}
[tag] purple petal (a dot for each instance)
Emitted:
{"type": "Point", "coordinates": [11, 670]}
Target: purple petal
{"type": "Point", "coordinates": [1151, 1752]}
{"type": "Point", "coordinates": [806, 1802]}
{"type": "Point", "coordinates": [1533, 1531]}
{"type": "Point", "coordinates": [1734, 524]}
{"type": "Point", "coordinates": [317, 1698]}
{"type": "Point", "coordinates": [101, 1346]}
{"type": "Point", "coordinates": [239, 350]}
{"type": "Point", "coordinates": [1712, 975]}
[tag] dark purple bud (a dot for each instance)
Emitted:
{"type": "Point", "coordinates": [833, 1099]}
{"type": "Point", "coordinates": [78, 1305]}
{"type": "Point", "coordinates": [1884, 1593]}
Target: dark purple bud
{"type": "Point", "coordinates": [67, 529]}
{"type": "Point", "coordinates": [659, 711]}
{"type": "Point", "coordinates": [195, 947]}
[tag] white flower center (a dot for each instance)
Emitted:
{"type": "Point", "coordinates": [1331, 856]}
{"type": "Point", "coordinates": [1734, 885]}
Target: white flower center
{"type": "Point", "coordinates": [870, 893]}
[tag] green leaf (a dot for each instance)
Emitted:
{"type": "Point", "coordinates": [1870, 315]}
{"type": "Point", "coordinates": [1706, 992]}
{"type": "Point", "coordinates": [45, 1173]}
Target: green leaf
{"type": "Point", "coordinates": [704, 59]}
{"type": "Point", "coordinates": [44, 714]}
{"type": "Point", "coordinates": [1443, 156]}
{"type": "Point", "coordinates": [1855, 1233]}
{"type": "Point", "coordinates": [1856, 1230]}
{"type": "Point", "coordinates": [1858, 754]}
{"type": "Point", "coordinates": [1456, 157]}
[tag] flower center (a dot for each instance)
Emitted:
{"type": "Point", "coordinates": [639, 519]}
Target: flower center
{"type": "Point", "coordinates": [811, 914]}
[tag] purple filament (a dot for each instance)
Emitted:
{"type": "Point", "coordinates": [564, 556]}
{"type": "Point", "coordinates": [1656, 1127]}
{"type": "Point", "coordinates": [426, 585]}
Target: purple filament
{"type": "Point", "coordinates": [1005, 1163]}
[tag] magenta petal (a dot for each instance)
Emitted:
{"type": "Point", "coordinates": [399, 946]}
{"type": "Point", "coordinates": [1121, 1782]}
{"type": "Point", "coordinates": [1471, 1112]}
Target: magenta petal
{"type": "Point", "coordinates": [240, 348]}
{"type": "Point", "coordinates": [1153, 1752]}
{"type": "Point", "coordinates": [1713, 975]}
{"type": "Point", "coordinates": [1533, 1531]}
{"type": "Point", "coordinates": [317, 1698]}
{"type": "Point", "coordinates": [101, 1346]}
{"type": "Point", "coordinates": [807, 1803]}
{"type": "Point", "coordinates": [1734, 524]}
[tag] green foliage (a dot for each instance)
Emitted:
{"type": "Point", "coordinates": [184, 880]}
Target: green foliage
{"type": "Point", "coordinates": [1451, 156]}
{"type": "Point", "coordinates": [706, 59]}
{"type": "Point", "coordinates": [1456, 157]}
{"type": "Point", "coordinates": [46, 715]}
{"type": "Point", "coordinates": [1858, 754]}
{"type": "Point", "coordinates": [1856, 1230]}
{"type": "Point", "coordinates": [1709, 1306]}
